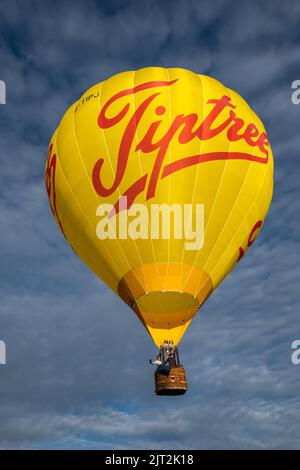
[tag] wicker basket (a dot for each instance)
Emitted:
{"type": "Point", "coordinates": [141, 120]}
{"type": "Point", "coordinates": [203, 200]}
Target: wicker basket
{"type": "Point", "coordinates": [170, 382]}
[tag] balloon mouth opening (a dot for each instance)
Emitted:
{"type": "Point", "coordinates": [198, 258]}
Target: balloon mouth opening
{"type": "Point", "coordinates": [165, 296]}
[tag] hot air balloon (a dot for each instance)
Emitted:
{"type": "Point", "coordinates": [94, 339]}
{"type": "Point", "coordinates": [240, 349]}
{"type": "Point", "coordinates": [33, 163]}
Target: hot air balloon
{"type": "Point", "coordinates": [160, 180]}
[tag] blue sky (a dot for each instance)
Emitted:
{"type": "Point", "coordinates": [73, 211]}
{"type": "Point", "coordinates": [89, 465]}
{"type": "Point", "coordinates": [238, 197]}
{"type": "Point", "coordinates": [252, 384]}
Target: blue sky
{"type": "Point", "coordinates": [77, 374]}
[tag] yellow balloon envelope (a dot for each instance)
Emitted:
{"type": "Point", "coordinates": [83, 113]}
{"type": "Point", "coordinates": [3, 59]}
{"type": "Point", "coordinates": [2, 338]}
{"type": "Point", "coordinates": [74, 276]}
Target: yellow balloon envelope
{"type": "Point", "coordinates": [160, 180]}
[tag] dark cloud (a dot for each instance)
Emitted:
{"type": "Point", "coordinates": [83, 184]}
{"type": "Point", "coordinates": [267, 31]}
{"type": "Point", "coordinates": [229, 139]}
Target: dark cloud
{"type": "Point", "coordinates": [76, 374]}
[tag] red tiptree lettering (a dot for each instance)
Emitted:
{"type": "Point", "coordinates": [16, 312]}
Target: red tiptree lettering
{"type": "Point", "coordinates": [251, 239]}
{"type": "Point", "coordinates": [50, 183]}
{"type": "Point", "coordinates": [187, 128]}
